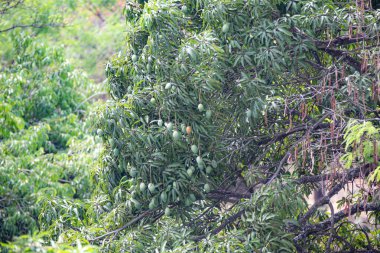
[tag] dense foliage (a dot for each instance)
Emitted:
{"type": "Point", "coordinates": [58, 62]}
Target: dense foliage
{"type": "Point", "coordinates": [216, 101]}
{"type": "Point", "coordinates": [46, 151]}
{"type": "Point", "coordinates": [224, 116]}
{"type": "Point", "coordinates": [43, 169]}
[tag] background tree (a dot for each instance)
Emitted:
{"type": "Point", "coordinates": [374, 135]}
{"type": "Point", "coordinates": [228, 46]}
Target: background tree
{"type": "Point", "coordinates": [46, 150]}
{"type": "Point", "coordinates": [249, 103]}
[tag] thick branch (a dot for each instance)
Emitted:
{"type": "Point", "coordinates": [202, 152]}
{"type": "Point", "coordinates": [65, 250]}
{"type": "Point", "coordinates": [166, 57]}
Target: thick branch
{"type": "Point", "coordinates": [281, 136]}
{"type": "Point", "coordinates": [328, 176]}
{"type": "Point", "coordinates": [342, 40]}
{"type": "Point", "coordinates": [345, 57]}
{"type": "Point", "coordinates": [315, 228]}
{"type": "Point", "coordinates": [327, 46]}
{"type": "Point", "coordinates": [353, 173]}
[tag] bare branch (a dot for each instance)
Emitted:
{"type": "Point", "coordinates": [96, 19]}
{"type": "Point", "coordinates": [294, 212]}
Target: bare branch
{"type": "Point", "coordinates": [350, 175]}
{"type": "Point", "coordinates": [315, 228]}
{"type": "Point", "coordinates": [330, 176]}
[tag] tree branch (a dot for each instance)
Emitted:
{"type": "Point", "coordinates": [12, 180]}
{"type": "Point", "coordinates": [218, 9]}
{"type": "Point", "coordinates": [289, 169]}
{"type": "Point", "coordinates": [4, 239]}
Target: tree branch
{"type": "Point", "coordinates": [343, 40]}
{"type": "Point", "coordinates": [221, 227]}
{"type": "Point", "coordinates": [353, 173]}
{"type": "Point", "coordinates": [315, 228]}
{"type": "Point", "coordinates": [31, 26]}
{"type": "Point", "coordinates": [114, 232]}
{"type": "Point", "coordinates": [327, 46]}
{"type": "Point", "coordinates": [345, 57]}
{"type": "Point", "coordinates": [285, 158]}
{"type": "Point", "coordinates": [331, 176]}
{"type": "Point", "coordinates": [9, 6]}
{"type": "Point", "coordinates": [281, 136]}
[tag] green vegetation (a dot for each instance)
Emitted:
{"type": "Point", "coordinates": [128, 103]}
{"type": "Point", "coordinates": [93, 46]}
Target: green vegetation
{"type": "Point", "coordinates": [94, 33]}
{"type": "Point", "coordinates": [223, 117]}
{"type": "Point", "coordinates": [46, 150]}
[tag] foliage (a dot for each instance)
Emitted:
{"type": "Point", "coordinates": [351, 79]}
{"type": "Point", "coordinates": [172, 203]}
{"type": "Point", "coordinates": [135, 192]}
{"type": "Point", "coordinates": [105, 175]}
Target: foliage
{"type": "Point", "coordinates": [73, 25]}
{"type": "Point", "coordinates": [32, 85]}
{"type": "Point", "coordinates": [210, 92]}
{"type": "Point", "coordinates": [361, 142]}
{"type": "Point", "coordinates": [51, 143]}
{"type": "Point", "coordinates": [224, 116]}
{"type": "Point", "coordinates": [37, 244]}
{"type": "Point", "coordinates": [46, 152]}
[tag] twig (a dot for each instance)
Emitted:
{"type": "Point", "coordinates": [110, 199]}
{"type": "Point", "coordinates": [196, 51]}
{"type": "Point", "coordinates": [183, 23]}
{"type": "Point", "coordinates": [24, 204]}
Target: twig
{"type": "Point", "coordinates": [133, 221]}
{"type": "Point", "coordinates": [332, 231]}
{"type": "Point", "coordinates": [221, 227]}
{"type": "Point", "coordinates": [91, 97]}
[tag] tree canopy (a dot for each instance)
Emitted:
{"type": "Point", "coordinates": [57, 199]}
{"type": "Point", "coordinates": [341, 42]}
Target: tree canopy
{"type": "Point", "coordinates": [246, 103]}
{"type": "Point", "coordinates": [223, 117]}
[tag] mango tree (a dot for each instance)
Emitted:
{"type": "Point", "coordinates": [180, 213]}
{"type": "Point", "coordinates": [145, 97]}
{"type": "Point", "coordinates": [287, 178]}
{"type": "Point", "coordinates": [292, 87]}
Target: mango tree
{"type": "Point", "coordinates": [226, 114]}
